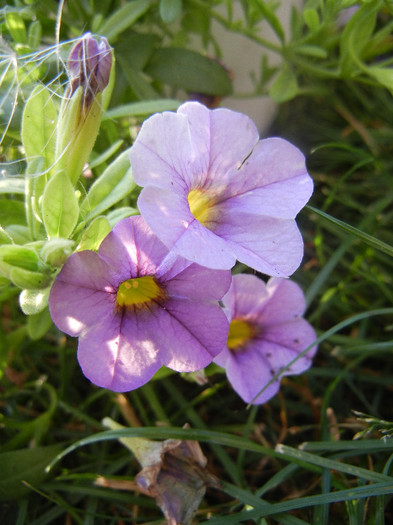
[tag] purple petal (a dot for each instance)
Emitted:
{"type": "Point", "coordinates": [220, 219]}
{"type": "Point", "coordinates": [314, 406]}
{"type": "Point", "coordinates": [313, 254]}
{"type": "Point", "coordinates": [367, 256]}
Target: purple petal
{"type": "Point", "coordinates": [248, 374]}
{"type": "Point", "coordinates": [279, 356]}
{"type": "Point", "coordinates": [132, 249]}
{"type": "Point", "coordinates": [286, 302]}
{"type": "Point", "coordinates": [271, 246]}
{"type": "Point", "coordinates": [162, 154]}
{"type": "Point", "coordinates": [191, 334]}
{"type": "Point", "coordinates": [246, 296]}
{"type": "Point", "coordinates": [168, 215]}
{"type": "Point", "coordinates": [84, 290]}
{"type": "Point", "coordinates": [118, 353]}
{"type": "Point", "coordinates": [282, 199]}
{"type": "Point", "coordinates": [199, 283]}
{"type": "Point", "coordinates": [227, 136]}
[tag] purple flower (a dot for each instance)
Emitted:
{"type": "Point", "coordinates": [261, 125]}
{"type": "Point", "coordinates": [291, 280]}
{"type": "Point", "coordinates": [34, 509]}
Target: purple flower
{"type": "Point", "coordinates": [213, 192]}
{"type": "Point", "coordinates": [135, 308]}
{"type": "Point", "coordinates": [266, 334]}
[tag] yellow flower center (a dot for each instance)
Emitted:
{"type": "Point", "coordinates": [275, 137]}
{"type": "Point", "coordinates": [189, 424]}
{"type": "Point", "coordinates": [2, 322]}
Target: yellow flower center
{"type": "Point", "coordinates": [201, 206]}
{"type": "Point", "coordinates": [139, 292]}
{"type": "Point", "coordinates": [240, 332]}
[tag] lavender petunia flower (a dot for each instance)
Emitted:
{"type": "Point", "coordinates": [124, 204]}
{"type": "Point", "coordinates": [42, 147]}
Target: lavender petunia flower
{"type": "Point", "coordinates": [213, 192]}
{"type": "Point", "coordinates": [266, 334]}
{"type": "Point", "coordinates": [135, 308]}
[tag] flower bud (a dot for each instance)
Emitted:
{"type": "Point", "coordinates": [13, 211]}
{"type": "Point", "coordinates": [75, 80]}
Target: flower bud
{"type": "Point", "coordinates": [89, 67]}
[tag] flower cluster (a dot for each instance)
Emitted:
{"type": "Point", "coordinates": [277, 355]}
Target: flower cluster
{"type": "Point", "coordinates": [159, 291]}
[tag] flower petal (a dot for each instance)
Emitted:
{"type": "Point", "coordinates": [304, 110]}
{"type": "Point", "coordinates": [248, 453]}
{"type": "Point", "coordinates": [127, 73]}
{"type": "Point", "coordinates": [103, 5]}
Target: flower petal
{"type": "Point", "coordinates": [191, 334]}
{"type": "Point", "coordinates": [163, 153]}
{"type": "Point", "coordinates": [271, 246]}
{"type": "Point", "coordinates": [248, 374]}
{"type": "Point", "coordinates": [84, 290]}
{"type": "Point", "coordinates": [246, 296]}
{"type": "Point", "coordinates": [286, 302]}
{"type": "Point", "coordinates": [199, 283]}
{"type": "Point", "coordinates": [133, 249]}
{"type": "Point", "coordinates": [227, 136]}
{"type": "Point", "coordinates": [169, 216]}
{"type": "Point", "coordinates": [283, 199]}
{"type": "Point", "coordinates": [119, 353]}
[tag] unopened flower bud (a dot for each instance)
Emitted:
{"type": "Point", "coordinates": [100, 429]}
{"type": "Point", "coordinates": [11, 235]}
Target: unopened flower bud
{"type": "Point", "coordinates": [89, 67]}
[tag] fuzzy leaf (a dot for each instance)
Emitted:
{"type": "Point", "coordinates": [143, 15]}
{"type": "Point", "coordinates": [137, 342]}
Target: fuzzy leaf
{"type": "Point", "coordinates": [59, 206]}
{"type": "Point", "coordinates": [95, 234]}
{"type": "Point", "coordinates": [39, 125]}
{"type": "Point", "coordinates": [112, 186]}
{"type": "Point", "coordinates": [34, 301]}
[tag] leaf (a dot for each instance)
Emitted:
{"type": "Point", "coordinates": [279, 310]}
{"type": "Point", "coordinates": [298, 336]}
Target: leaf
{"type": "Point", "coordinates": [20, 257]}
{"type": "Point", "coordinates": [284, 86]}
{"type": "Point", "coordinates": [38, 324]}
{"type": "Point", "coordinates": [34, 301]}
{"type": "Point", "coordinates": [145, 107]}
{"type": "Point", "coordinates": [95, 234]}
{"type": "Point", "coordinates": [170, 10]}
{"type": "Point", "coordinates": [59, 206]}
{"type": "Point", "coordinates": [12, 212]}
{"type": "Point", "coordinates": [26, 465]}
{"type": "Point", "coordinates": [189, 70]}
{"type": "Point", "coordinates": [123, 18]}
{"type": "Point", "coordinates": [356, 36]}
{"type": "Point", "coordinates": [311, 19]}
{"type": "Point", "coordinates": [39, 126]}
{"type": "Point", "coordinates": [26, 279]}
{"type": "Point", "coordinates": [16, 27]}
{"type": "Point", "coordinates": [382, 75]}
{"type": "Point", "coordinates": [112, 186]}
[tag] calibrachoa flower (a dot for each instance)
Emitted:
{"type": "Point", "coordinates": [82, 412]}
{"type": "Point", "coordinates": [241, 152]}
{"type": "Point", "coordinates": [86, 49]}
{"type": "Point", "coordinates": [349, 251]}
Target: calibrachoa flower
{"type": "Point", "coordinates": [266, 334]}
{"type": "Point", "coordinates": [213, 192]}
{"type": "Point", "coordinates": [135, 308]}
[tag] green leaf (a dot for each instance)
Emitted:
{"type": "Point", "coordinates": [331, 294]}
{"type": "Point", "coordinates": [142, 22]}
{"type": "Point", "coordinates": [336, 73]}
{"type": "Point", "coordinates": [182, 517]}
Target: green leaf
{"type": "Point", "coordinates": [20, 257]}
{"type": "Point", "coordinates": [123, 18]}
{"type": "Point", "coordinates": [26, 279]}
{"type": "Point", "coordinates": [356, 35]}
{"type": "Point", "coordinates": [34, 34]}
{"type": "Point", "coordinates": [39, 324]}
{"type": "Point", "coordinates": [34, 187]}
{"type": "Point", "coordinates": [311, 19]}
{"type": "Point", "coordinates": [34, 301]}
{"type": "Point", "coordinates": [284, 86]}
{"type": "Point", "coordinates": [271, 19]}
{"type": "Point", "coordinates": [16, 27]}
{"type": "Point", "coordinates": [143, 108]}
{"type": "Point", "coordinates": [95, 234]}
{"type": "Point", "coordinates": [382, 75]}
{"type": "Point", "coordinates": [189, 70]}
{"type": "Point", "coordinates": [26, 465]}
{"type": "Point", "coordinates": [112, 186]}
{"type": "Point", "coordinates": [39, 126]}
{"type": "Point", "coordinates": [59, 206]}
{"type": "Point", "coordinates": [170, 10]}
{"type": "Point", "coordinates": [12, 212]}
